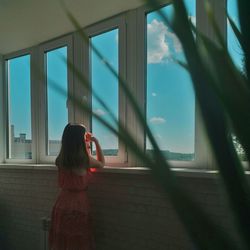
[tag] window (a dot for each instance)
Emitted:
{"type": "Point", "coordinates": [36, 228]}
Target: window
{"type": "Point", "coordinates": [56, 84]}
{"type": "Point", "coordinates": [109, 39]}
{"type": "Point", "coordinates": [105, 85]}
{"type": "Point", "coordinates": [170, 100]}
{"type": "Point", "coordinates": [57, 113]}
{"type": "Point", "coordinates": [19, 108]}
{"type": "Point", "coordinates": [158, 83]}
{"type": "Point", "coordinates": [2, 113]}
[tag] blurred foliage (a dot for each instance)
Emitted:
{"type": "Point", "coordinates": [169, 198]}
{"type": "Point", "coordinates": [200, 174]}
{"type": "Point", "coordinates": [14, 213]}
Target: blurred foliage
{"type": "Point", "coordinates": [223, 95]}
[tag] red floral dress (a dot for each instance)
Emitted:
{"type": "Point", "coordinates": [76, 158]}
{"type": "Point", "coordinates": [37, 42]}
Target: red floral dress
{"type": "Point", "coordinates": [71, 220]}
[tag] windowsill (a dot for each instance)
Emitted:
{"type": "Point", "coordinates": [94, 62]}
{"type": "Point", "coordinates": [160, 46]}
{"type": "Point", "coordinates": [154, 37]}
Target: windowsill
{"type": "Point", "coordinates": [181, 172]}
{"type": "Point", "coordinates": [23, 166]}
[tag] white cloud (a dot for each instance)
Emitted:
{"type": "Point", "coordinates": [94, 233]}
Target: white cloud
{"type": "Point", "coordinates": [154, 94]}
{"type": "Point", "coordinates": [161, 42]}
{"type": "Point", "coordinates": [99, 112]}
{"type": "Point", "coordinates": [157, 120]}
{"type": "Point", "coordinates": [157, 46]}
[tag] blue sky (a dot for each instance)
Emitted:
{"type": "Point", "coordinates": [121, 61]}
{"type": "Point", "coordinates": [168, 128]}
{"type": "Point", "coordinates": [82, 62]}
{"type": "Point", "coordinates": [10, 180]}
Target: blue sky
{"type": "Point", "coordinates": [105, 85]}
{"type": "Point", "coordinates": [19, 98]}
{"type": "Point", "coordinates": [170, 98]}
{"type": "Point", "coordinates": [57, 109]}
{"type": "Point", "coordinates": [233, 45]}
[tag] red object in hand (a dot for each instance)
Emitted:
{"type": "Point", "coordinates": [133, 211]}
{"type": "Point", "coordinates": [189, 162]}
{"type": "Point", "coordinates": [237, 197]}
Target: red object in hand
{"type": "Point", "coordinates": [88, 136]}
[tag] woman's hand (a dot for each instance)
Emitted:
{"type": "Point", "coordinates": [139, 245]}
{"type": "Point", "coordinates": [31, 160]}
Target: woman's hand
{"type": "Point", "coordinates": [88, 136]}
{"type": "Point", "coordinates": [100, 161]}
{"type": "Point", "coordinates": [93, 139]}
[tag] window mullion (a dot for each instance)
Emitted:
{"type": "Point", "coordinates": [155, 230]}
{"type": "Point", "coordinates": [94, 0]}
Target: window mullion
{"type": "Point", "coordinates": [42, 107]}
{"type": "Point", "coordinates": [35, 102]}
{"type": "Point", "coordinates": [122, 53]}
{"type": "Point", "coordinates": [81, 63]}
{"type": "Point", "coordinates": [135, 77]}
{"type": "Point", "coordinates": [2, 108]}
{"type": "Point", "coordinates": [70, 80]}
{"type": "Point", "coordinates": [205, 157]}
{"type": "Point", "coordinates": [54, 69]}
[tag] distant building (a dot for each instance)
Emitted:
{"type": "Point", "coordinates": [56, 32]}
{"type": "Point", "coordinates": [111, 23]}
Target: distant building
{"type": "Point", "coordinates": [20, 147]}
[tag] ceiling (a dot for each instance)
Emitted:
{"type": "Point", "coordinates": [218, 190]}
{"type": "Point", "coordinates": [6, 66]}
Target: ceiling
{"type": "Point", "coordinates": [24, 23]}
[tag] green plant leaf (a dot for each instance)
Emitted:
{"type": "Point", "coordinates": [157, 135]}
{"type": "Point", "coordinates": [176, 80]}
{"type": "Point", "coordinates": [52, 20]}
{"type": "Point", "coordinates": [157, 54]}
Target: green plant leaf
{"type": "Point", "coordinates": [211, 18]}
{"type": "Point", "coordinates": [230, 86]}
{"type": "Point", "coordinates": [195, 217]}
{"type": "Point", "coordinates": [216, 121]}
{"type": "Point", "coordinates": [232, 91]}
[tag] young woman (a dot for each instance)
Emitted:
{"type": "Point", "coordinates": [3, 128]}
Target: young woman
{"type": "Point", "coordinates": [71, 222]}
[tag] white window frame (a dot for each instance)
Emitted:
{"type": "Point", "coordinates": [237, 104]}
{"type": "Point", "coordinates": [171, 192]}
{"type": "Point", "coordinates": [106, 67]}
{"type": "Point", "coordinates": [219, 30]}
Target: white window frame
{"type": "Point", "coordinates": [2, 113]}
{"type": "Point", "coordinates": [94, 30]}
{"type": "Point", "coordinates": [203, 155]}
{"type": "Point", "coordinates": [29, 51]}
{"type": "Point", "coordinates": [132, 67]}
{"type": "Point", "coordinates": [134, 39]}
{"type": "Point", "coordinates": [43, 48]}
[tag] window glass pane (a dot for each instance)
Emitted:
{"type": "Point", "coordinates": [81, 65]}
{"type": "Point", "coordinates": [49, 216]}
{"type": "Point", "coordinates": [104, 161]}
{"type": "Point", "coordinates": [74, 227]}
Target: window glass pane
{"type": "Point", "coordinates": [57, 112]}
{"type": "Point", "coordinates": [20, 137]}
{"type": "Point", "coordinates": [170, 99]}
{"type": "Point", "coordinates": [232, 42]}
{"type": "Point", "coordinates": [105, 85]}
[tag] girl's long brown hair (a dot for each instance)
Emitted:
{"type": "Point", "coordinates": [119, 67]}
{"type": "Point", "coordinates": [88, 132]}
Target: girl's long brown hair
{"type": "Point", "coordinates": [73, 152]}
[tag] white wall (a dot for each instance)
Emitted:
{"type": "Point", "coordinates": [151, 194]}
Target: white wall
{"type": "Point", "coordinates": [130, 211]}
